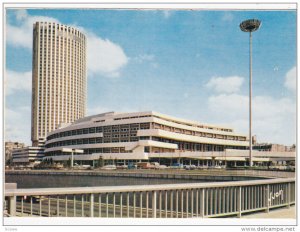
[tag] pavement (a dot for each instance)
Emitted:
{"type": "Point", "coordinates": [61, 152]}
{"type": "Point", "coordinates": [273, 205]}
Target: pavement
{"type": "Point", "coordinates": [282, 213]}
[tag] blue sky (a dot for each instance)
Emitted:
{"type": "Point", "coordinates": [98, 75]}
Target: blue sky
{"type": "Point", "coordinates": [188, 64]}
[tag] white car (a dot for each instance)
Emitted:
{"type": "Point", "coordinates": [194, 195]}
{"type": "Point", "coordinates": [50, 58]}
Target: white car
{"type": "Point", "coordinates": [109, 167]}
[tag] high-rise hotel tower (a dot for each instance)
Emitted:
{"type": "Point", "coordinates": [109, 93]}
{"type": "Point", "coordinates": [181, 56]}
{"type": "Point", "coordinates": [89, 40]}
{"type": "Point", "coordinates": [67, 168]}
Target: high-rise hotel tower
{"type": "Point", "coordinates": [58, 77]}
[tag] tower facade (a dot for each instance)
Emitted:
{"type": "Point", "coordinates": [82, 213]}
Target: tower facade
{"type": "Point", "coordinates": [58, 77]}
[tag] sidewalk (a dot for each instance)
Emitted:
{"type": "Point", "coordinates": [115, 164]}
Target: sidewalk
{"type": "Point", "coordinates": [283, 213]}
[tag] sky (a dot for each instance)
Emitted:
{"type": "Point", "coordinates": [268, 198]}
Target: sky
{"type": "Point", "coordinates": [191, 64]}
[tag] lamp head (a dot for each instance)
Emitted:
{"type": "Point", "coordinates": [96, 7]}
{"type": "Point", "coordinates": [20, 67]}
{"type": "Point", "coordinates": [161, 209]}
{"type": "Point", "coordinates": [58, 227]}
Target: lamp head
{"type": "Point", "coordinates": [250, 25]}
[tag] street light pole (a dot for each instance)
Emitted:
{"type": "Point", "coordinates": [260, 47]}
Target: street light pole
{"type": "Point", "coordinates": [250, 25]}
{"type": "Point", "coordinates": [72, 151]}
{"type": "Point", "coordinates": [250, 99]}
{"type": "Point", "coordinates": [72, 158]}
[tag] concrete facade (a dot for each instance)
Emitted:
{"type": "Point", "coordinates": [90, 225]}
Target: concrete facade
{"type": "Point", "coordinates": [9, 147]}
{"type": "Point", "coordinates": [136, 135]}
{"type": "Point", "coordinates": [58, 77]}
{"type": "Point", "coordinates": [27, 155]}
{"type": "Point", "coordinates": [143, 136]}
{"type": "Point", "coordinates": [272, 147]}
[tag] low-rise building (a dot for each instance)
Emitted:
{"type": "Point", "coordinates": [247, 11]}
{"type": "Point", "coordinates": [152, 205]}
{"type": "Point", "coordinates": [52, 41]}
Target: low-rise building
{"type": "Point", "coordinates": [271, 147]}
{"type": "Point", "coordinates": [27, 155]}
{"type": "Point", "coordinates": [123, 138]}
{"type": "Point", "coordinates": [9, 147]}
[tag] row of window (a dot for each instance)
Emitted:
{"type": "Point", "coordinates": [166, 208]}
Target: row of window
{"type": "Point", "coordinates": [194, 125]}
{"type": "Point", "coordinates": [113, 131]}
{"type": "Point", "coordinates": [93, 141]}
{"type": "Point", "coordinates": [105, 129]}
{"type": "Point", "coordinates": [44, 29]}
{"type": "Point", "coordinates": [93, 150]}
{"type": "Point", "coordinates": [197, 133]}
{"type": "Point", "coordinates": [188, 132]}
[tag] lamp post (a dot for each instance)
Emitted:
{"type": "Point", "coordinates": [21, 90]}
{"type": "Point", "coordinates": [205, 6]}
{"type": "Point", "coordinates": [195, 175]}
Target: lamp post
{"type": "Point", "coordinates": [72, 151]}
{"type": "Point", "coordinates": [250, 25]}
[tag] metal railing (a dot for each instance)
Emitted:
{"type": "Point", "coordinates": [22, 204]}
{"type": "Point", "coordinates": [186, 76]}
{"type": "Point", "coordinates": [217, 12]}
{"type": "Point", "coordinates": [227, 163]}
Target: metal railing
{"type": "Point", "coordinates": [169, 173]}
{"type": "Point", "coordinates": [216, 199]}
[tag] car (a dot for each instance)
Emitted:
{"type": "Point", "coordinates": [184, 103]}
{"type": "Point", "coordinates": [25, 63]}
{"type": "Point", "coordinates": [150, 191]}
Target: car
{"type": "Point", "coordinates": [190, 167]}
{"type": "Point", "coordinates": [109, 167]}
{"type": "Point", "coordinates": [215, 167]}
{"type": "Point", "coordinates": [177, 166]}
{"type": "Point", "coordinates": [122, 167]}
{"type": "Point", "coordinates": [161, 167]}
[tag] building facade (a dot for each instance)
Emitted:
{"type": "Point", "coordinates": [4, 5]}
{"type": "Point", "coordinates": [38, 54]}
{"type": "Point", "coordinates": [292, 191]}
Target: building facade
{"type": "Point", "coordinates": [272, 147]}
{"type": "Point", "coordinates": [58, 77]}
{"type": "Point", "coordinates": [9, 147]}
{"type": "Point", "coordinates": [138, 136]}
{"type": "Point", "coordinates": [27, 155]}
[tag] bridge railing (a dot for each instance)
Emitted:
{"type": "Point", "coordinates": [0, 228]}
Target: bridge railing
{"type": "Point", "coordinates": [156, 201]}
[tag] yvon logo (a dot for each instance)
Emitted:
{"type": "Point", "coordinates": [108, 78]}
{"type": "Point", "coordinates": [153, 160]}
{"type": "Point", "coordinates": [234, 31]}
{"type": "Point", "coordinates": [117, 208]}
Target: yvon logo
{"type": "Point", "coordinates": [276, 195]}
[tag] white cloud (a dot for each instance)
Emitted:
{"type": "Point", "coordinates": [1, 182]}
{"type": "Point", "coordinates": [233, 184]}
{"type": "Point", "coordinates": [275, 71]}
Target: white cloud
{"type": "Point", "coordinates": [290, 79]}
{"type": "Point", "coordinates": [274, 120]}
{"type": "Point", "coordinates": [16, 128]}
{"type": "Point", "coordinates": [225, 84]}
{"type": "Point", "coordinates": [227, 17]}
{"type": "Point", "coordinates": [232, 105]}
{"type": "Point", "coordinates": [121, 109]}
{"type": "Point", "coordinates": [21, 14]}
{"type": "Point", "coordinates": [17, 81]}
{"type": "Point", "coordinates": [167, 13]}
{"type": "Point", "coordinates": [20, 35]}
{"type": "Point", "coordinates": [97, 110]}
{"type": "Point", "coordinates": [144, 57]}
{"type": "Point", "coordinates": [103, 56]}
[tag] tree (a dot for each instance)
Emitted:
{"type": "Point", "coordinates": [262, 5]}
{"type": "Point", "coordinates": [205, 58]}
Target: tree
{"type": "Point", "coordinates": [68, 164]}
{"type": "Point", "coordinates": [100, 161]}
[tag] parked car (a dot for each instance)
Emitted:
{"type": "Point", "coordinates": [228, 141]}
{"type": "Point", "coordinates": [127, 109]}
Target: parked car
{"type": "Point", "coordinates": [176, 166]}
{"type": "Point", "coordinates": [122, 167]}
{"type": "Point", "coordinates": [162, 167]}
{"type": "Point", "coordinates": [82, 167]}
{"type": "Point", "coordinates": [34, 199]}
{"type": "Point", "coordinates": [109, 167]}
{"type": "Point", "coordinates": [215, 167]}
{"type": "Point", "coordinates": [132, 166]}
{"type": "Point", "coordinates": [190, 167]}
{"type": "Point", "coordinates": [145, 165]}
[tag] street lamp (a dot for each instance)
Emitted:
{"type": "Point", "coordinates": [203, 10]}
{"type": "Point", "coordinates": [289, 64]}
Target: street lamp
{"type": "Point", "coordinates": [72, 151]}
{"type": "Point", "coordinates": [250, 25]}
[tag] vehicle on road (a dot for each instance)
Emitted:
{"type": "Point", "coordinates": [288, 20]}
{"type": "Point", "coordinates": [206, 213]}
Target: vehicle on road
{"type": "Point", "coordinates": [109, 167]}
{"type": "Point", "coordinates": [190, 167]}
{"type": "Point", "coordinates": [176, 166]}
{"type": "Point", "coordinates": [132, 166]}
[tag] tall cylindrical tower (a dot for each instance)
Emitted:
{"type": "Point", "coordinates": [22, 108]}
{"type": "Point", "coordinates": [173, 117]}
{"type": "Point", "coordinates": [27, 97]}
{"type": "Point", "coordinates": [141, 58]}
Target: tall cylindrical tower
{"type": "Point", "coordinates": [58, 77]}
